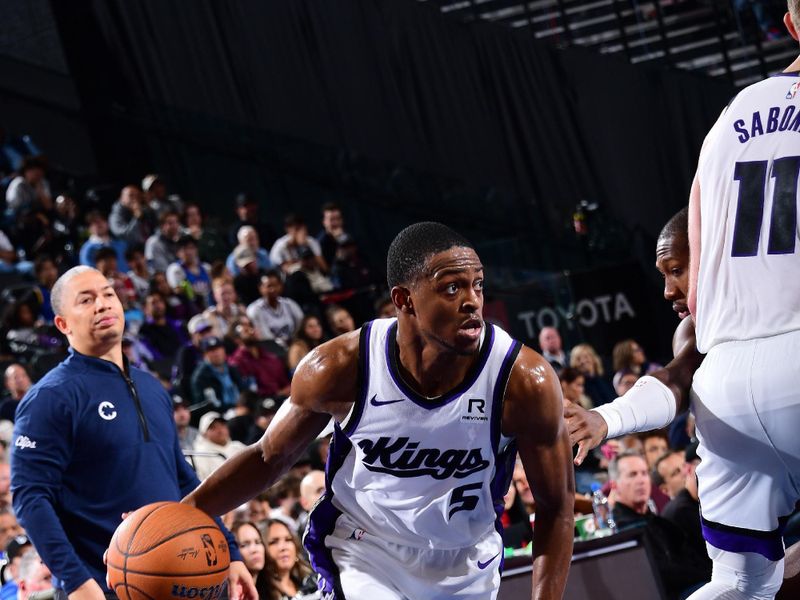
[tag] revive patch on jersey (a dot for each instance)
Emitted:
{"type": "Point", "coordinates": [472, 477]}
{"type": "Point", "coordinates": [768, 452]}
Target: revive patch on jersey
{"type": "Point", "coordinates": [404, 458]}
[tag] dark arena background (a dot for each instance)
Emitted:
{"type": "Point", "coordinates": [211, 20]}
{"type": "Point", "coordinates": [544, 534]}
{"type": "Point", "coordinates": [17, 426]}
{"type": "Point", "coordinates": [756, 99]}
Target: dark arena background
{"type": "Point", "coordinates": [558, 136]}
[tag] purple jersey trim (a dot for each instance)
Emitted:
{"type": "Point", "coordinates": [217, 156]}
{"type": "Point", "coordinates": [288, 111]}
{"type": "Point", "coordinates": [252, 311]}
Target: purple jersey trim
{"type": "Point", "coordinates": [738, 539]}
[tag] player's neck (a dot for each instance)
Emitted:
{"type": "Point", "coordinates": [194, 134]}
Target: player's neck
{"type": "Point", "coordinates": [428, 368]}
{"type": "Point", "coordinates": [795, 66]}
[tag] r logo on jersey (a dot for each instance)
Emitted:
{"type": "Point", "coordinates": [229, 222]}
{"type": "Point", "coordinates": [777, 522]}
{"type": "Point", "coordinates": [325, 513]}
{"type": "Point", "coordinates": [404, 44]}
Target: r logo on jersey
{"type": "Point", "coordinates": [476, 411]}
{"type": "Point", "coordinates": [793, 91]}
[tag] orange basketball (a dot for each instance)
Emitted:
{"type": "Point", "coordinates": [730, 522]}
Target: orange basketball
{"type": "Point", "coordinates": [167, 550]}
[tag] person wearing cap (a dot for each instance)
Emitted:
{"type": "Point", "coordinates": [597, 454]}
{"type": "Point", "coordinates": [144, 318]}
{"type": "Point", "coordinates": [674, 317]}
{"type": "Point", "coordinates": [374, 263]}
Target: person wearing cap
{"type": "Point", "coordinates": [189, 276]}
{"type": "Point", "coordinates": [286, 250]}
{"type": "Point", "coordinates": [248, 280]}
{"type": "Point", "coordinates": [253, 360]}
{"type": "Point", "coordinates": [156, 196]}
{"type": "Point", "coordinates": [247, 214]}
{"type": "Point", "coordinates": [215, 383]}
{"type": "Point", "coordinates": [161, 335]}
{"type": "Point", "coordinates": [227, 307]}
{"type": "Point", "coordinates": [248, 239]}
{"type": "Point", "coordinates": [15, 550]}
{"type": "Point", "coordinates": [190, 355]}
{"type": "Point", "coordinates": [161, 248]}
{"type": "Point", "coordinates": [95, 438]}
{"type": "Point", "coordinates": [215, 442]}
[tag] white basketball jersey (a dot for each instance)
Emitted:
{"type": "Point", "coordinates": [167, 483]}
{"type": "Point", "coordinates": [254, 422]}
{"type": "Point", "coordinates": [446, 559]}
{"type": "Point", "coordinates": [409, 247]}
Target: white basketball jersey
{"type": "Point", "coordinates": [749, 275]}
{"type": "Point", "coordinates": [425, 473]}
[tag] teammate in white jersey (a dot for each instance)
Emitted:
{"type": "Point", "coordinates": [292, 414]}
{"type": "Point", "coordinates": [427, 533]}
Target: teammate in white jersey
{"type": "Point", "coordinates": [429, 411]}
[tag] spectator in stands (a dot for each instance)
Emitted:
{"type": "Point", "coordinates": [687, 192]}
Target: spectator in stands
{"type": "Point", "coordinates": [19, 326]}
{"type": "Point", "coordinates": [248, 281]}
{"type": "Point", "coordinates": [684, 508]}
{"type": "Point", "coordinates": [210, 245]}
{"type": "Point", "coordinates": [274, 316]}
{"type": "Point", "coordinates": [15, 551]}
{"type": "Point", "coordinates": [624, 380]}
{"type": "Point", "coordinates": [187, 435]}
{"type": "Point", "coordinates": [349, 270]}
{"type": "Point", "coordinates": [340, 320]}
{"type": "Point", "coordinates": [252, 360]}
{"type": "Point", "coordinates": [67, 219]}
{"type": "Point", "coordinates": [29, 189]}
{"type": "Point", "coordinates": [520, 482]}
{"type": "Point", "coordinates": [251, 545]}
{"type": "Point", "coordinates": [5, 484]}
{"type": "Point", "coordinates": [291, 575]}
{"type": "Point", "coordinates": [248, 240]}
{"type": "Point", "coordinates": [285, 498]}
{"type": "Point", "coordinates": [139, 273]}
{"type": "Point", "coordinates": [226, 307]}
{"type": "Point", "coordinates": [258, 509]}
{"type": "Point", "coordinates": [333, 232]}
{"type": "Point", "coordinates": [572, 387]}
{"type": "Point", "coordinates": [161, 335]}
{"type": "Point", "coordinates": [309, 335]}
{"type": "Point", "coordinates": [677, 563]}
{"type": "Point", "coordinates": [34, 576]}
{"type": "Point", "coordinates": [17, 383]}
{"type": "Point", "coordinates": [628, 355]}
{"type": "Point", "coordinates": [190, 355]}
{"type": "Point", "coordinates": [318, 282]}
{"type": "Point", "coordinates": [46, 275]}
{"type": "Point", "coordinates": [655, 444]}
{"type": "Point", "coordinates": [287, 249]}
{"type": "Point", "coordinates": [156, 196]}
{"type": "Point", "coordinates": [188, 276]}
{"type": "Point", "coordinates": [242, 423]}
{"type": "Point", "coordinates": [9, 528]}
{"type": "Point", "coordinates": [179, 307]}
{"type": "Point", "coordinates": [214, 439]}
{"type": "Point", "coordinates": [670, 469]}
{"type": "Point", "coordinates": [137, 353]}
{"type": "Point", "coordinates": [8, 258]}
{"type": "Point", "coordinates": [552, 350]}
{"type": "Point", "coordinates": [161, 248]}
{"type": "Point", "coordinates": [384, 308]}
{"type": "Point", "coordinates": [312, 486]}
{"type": "Point", "coordinates": [131, 219]}
{"type": "Point", "coordinates": [247, 214]}
{"type": "Point", "coordinates": [765, 13]}
{"type": "Point", "coordinates": [596, 386]}
{"type": "Point", "coordinates": [213, 380]}
{"type": "Point", "coordinates": [99, 237]}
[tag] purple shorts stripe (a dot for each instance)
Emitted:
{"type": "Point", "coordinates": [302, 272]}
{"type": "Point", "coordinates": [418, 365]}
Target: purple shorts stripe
{"type": "Point", "coordinates": [736, 539]}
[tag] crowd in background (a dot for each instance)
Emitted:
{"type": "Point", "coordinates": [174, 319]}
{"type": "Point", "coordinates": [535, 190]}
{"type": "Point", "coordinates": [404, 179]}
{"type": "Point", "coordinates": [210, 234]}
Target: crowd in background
{"type": "Point", "coordinates": [222, 317]}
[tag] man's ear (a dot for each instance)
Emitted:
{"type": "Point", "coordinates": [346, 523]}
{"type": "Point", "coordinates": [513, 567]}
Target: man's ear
{"type": "Point", "coordinates": [401, 298]}
{"type": "Point", "coordinates": [61, 324]}
{"type": "Point", "coordinates": [790, 26]}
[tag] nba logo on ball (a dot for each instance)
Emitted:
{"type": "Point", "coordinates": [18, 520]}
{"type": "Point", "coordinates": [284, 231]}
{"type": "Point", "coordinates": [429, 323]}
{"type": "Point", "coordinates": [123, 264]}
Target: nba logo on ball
{"type": "Point", "coordinates": [168, 550]}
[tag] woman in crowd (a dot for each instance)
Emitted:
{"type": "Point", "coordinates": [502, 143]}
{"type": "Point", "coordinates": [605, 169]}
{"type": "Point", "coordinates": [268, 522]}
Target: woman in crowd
{"type": "Point", "coordinates": [251, 545]}
{"type": "Point", "coordinates": [291, 578]}
{"type": "Point", "coordinates": [309, 336]}
{"type": "Point", "coordinates": [596, 386]}
{"type": "Point", "coordinates": [628, 355]}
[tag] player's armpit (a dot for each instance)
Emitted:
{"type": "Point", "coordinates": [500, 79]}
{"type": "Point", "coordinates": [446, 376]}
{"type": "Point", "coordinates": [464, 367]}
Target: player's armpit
{"type": "Point", "coordinates": [533, 414]}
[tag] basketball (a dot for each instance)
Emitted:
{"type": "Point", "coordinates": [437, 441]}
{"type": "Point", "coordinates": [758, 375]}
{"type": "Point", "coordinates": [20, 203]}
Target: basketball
{"type": "Point", "coordinates": [167, 549]}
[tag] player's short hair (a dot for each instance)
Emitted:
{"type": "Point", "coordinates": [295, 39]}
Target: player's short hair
{"type": "Point", "coordinates": [678, 226]}
{"type": "Point", "coordinates": [413, 246]}
{"type": "Point", "coordinates": [613, 466]}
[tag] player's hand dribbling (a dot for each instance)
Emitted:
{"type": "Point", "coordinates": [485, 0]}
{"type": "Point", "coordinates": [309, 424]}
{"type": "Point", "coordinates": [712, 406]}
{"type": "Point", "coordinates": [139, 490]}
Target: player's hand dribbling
{"type": "Point", "coordinates": [88, 590]}
{"type": "Point", "coordinates": [586, 428]}
{"type": "Point", "coordinates": [240, 582]}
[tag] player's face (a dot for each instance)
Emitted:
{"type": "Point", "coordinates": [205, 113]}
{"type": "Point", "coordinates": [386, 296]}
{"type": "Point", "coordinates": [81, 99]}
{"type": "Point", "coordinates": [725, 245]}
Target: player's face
{"type": "Point", "coordinates": [91, 313]}
{"type": "Point", "coordinates": [251, 547]}
{"type": "Point", "coordinates": [281, 548]}
{"type": "Point", "coordinates": [448, 300]}
{"type": "Point", "coordinates": [672, 261]}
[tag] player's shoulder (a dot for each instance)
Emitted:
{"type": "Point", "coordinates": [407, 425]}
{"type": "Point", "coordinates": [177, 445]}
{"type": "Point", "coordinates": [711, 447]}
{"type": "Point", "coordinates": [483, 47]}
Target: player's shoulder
{"type": "Point", "coordinates": [684, 334]}
{"type": "Point", "coordinates": [329, 371]}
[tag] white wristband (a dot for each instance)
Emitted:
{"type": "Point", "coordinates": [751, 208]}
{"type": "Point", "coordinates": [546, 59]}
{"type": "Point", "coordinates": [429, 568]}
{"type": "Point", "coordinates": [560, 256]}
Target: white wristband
{"type": "Point", "coordinates": [649, 404]}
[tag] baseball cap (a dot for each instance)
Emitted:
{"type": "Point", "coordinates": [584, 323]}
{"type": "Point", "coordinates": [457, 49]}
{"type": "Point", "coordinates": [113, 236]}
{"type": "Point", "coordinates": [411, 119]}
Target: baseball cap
{"type": "Point", "coordinates": [149, 180]}
{"type": "Point", "coordinates": [16, 546]}
{"type": "Point", "coordinates": [243, 257]}
{"type": "Point", "coordinates": [198, 323]}
{"type": "Point", "coordinates": [210, 343]}
{"type": "Point", "coordinates": [208, 419]}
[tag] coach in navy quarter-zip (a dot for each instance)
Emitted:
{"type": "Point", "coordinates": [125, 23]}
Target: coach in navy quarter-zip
{"type": "Point", "coordinates": [93, 439]}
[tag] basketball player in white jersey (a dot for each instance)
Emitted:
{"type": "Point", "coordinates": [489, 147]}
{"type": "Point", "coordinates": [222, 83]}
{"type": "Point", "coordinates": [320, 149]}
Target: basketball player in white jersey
{"type": "Point", "coordinates": [430, 409]}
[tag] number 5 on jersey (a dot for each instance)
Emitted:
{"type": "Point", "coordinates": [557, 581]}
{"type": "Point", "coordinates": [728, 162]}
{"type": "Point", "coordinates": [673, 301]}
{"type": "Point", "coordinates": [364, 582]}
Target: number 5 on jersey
{"type": "Point", "coordinates": [752, 178]}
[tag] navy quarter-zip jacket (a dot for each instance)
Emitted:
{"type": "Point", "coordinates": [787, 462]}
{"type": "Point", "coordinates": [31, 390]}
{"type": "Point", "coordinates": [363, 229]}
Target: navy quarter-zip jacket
{"type": "Point", "coordinates": [91, 443]}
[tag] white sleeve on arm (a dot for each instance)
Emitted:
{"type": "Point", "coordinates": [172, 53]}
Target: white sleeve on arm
{"type": "Point", "coordinates": [648, 405]}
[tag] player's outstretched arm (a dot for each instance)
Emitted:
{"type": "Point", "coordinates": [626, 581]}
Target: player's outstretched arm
{"type": "Point", "coordinates": [651, 405]}
{"type": "Point", "coordinates": [532, 413]}
{"type": "Point", "coordinates": [323, 386]}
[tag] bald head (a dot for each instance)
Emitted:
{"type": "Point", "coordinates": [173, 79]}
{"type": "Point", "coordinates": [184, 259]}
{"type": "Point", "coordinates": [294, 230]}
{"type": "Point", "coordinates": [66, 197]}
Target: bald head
{"type": "Point", "coordinates": [57, 293]}
{"type": "Point", "coordinates": [550, 340]}
{"type": "Point", "coordinates": [794, 10]}
{"type": "Point", "coordinates": [311, 488]}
